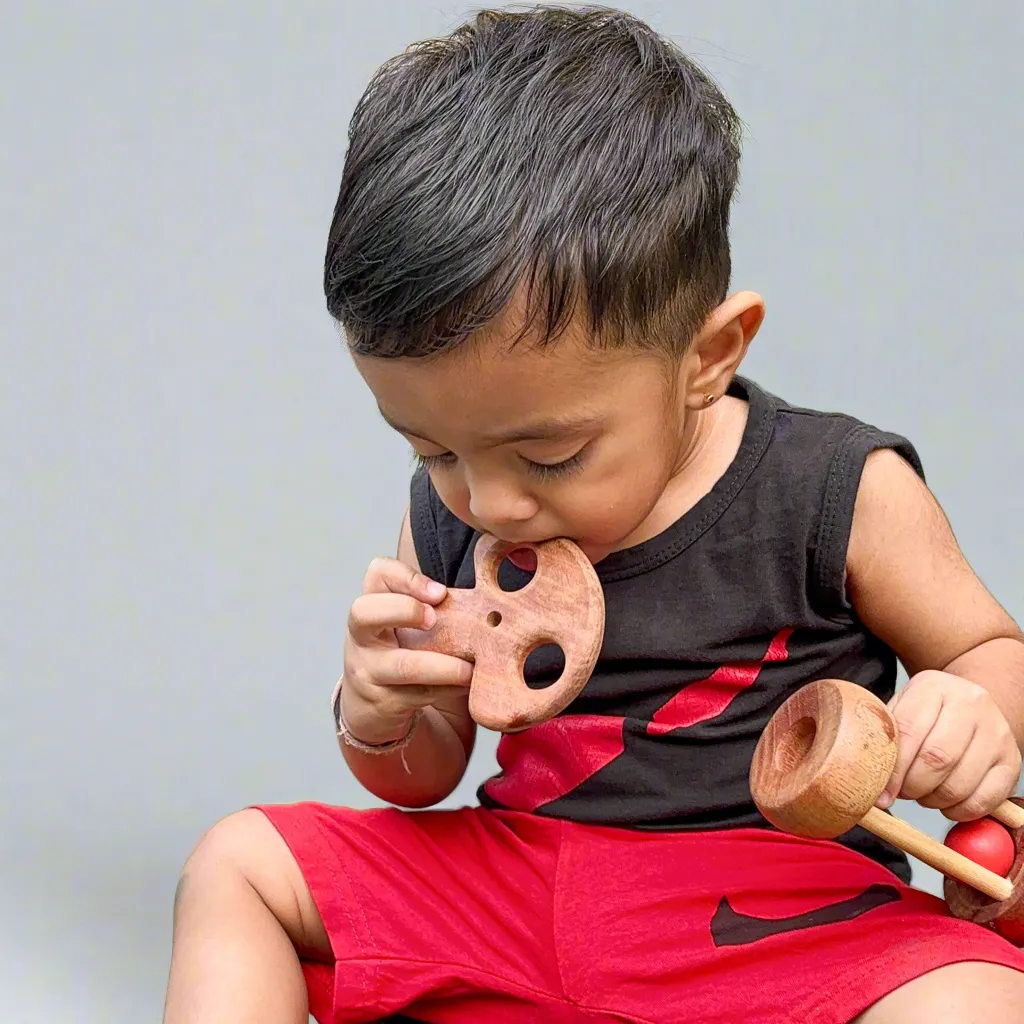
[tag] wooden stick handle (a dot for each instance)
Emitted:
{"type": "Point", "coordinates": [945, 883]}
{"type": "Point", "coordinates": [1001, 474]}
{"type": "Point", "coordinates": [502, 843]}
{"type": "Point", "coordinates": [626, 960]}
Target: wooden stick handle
{"type": "Point", "coordinates": [934, 854]}
{"type": "Point", "coordinates": [1010, 814]}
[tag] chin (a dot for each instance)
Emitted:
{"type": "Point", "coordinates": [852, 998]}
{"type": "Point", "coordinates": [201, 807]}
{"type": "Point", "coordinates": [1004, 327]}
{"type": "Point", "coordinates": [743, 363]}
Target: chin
{"type": "Point", "coordinates": [595, 552]}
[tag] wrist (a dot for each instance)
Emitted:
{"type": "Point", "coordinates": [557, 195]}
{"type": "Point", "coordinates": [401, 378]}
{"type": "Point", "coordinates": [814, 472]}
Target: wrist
{"type": "Point", "coordinates": [385, 738]}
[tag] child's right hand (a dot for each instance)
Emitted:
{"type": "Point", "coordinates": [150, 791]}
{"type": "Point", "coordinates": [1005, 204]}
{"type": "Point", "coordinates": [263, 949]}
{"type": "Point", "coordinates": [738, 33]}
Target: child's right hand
{"type": "Point", "coordinates": [385, 684]}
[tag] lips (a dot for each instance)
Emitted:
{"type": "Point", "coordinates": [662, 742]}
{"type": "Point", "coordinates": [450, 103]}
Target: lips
{"type": "Point", "coordinates": [523, 558]}
{"type": "Point", "coordinates": [526, 558]}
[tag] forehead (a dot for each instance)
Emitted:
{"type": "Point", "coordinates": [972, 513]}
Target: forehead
{"type": "Point", "coordinates": [487, 388]}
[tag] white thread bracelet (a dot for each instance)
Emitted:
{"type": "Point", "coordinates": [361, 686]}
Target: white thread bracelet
{"type": "Point", "coordinates": [387, 747]}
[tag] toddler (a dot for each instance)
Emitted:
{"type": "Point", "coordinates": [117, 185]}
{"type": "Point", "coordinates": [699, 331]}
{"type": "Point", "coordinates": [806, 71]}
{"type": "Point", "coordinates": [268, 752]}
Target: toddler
{"type": "Point", "coordinates": [530, 260]}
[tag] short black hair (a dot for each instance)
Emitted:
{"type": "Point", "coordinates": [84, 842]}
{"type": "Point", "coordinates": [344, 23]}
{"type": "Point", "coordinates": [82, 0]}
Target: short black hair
{"type": "Point", "coordinates": [571, 156]}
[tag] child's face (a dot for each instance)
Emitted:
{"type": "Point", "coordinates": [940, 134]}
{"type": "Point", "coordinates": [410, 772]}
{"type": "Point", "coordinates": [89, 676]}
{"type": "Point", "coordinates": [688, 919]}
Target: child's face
{"type": "Point", "coordinates": [529, 444]}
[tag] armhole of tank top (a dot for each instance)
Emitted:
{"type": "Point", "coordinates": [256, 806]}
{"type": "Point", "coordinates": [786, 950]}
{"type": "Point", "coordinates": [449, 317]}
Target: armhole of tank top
{"type": "Point", "coordinates": [842, 483]}
{"type": "Point", "coordinates": [423, 523]}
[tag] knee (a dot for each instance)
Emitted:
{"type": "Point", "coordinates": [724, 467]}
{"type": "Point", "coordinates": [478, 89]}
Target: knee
{"type": "Point", "coordinates": [218, 863]}
{"type": "Point", "coordinates": [966, 991]}
{"type": "Point", "coordinates": [230, 845]}
{"type": "Point", "coordinates": [243, 858]}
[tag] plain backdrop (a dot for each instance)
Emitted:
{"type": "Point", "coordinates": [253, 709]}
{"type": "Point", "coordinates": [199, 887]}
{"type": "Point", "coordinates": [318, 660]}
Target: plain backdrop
{"type": "Point", "coordinates": [194, 479]}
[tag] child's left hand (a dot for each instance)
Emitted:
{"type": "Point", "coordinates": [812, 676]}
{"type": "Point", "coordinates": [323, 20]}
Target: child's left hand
{"type": "Point", "coordinates": [956, 750]}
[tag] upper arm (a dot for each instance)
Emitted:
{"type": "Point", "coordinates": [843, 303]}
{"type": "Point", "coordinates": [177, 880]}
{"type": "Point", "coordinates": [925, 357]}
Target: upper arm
{"type": "Point", "coordinates": [907, 578]}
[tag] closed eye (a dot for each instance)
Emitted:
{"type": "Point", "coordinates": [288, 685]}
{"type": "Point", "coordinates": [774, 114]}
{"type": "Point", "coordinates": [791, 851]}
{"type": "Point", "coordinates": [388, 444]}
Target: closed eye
{"type": "Point", "coordinates": [443, 461]}
{"type": "Point", "coordinates": [540, 470]}
{"type": "Point", "coordinates": [555, 470]}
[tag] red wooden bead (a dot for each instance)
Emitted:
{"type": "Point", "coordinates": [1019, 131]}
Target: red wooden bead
{"type": "Point", "coordinates": [985, 841]}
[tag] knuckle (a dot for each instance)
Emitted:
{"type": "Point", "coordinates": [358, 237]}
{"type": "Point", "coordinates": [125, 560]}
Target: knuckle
{"type": "Point", "coordinates": [371, 702]}
{"type": "Point", "coordinates": [914, 788]}
{"type": "Point", "coordinates": [1008, 742]}
{"type": "Point", "coordinates": [1007, 772]}
{"type": "Point", "coordinates": [376, 570]}
{"type": "Point", "coordinates": [974, 806]}
{"type": "Point", "coordinates": [405, 670]}
{"type": "Point", "coordinates": [946, 793]}
{"type": "Point", "coordinates": [376, 701]}
{"type": "Point", "coordinates": [906, 724]}
{"type": "Point", "coordinates": [935, 757]}
{"type": "Point", "coordinates": [978, 699]}
{"type": "Point", "coordinates": [1009, 756]}
{"type": "Point", "coordinates": [356, 612]}
{"type": "Point", "coordinates": [355, 678]}
{"type": "Point", "coordinates": [361, 611]}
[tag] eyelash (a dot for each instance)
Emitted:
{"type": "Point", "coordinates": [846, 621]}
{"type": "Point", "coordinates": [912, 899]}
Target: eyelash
{"type": "Point", "coordinates": [540, 470]}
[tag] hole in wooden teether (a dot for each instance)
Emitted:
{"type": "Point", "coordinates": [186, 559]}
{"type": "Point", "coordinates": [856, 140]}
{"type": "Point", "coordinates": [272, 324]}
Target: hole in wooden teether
{"type": "Point", "coordinates": [494, 618]}
{"type": "Point", "coordinates": [517, 569]}
{"type": "Point", "coordinates": [795, 745]}
{"type": "Point", "coordinates": [544, 666]}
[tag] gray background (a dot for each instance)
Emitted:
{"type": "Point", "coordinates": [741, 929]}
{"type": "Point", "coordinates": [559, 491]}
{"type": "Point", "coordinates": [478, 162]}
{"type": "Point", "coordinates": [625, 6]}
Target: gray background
{"type": "Point", "coordinates": [193, 476]}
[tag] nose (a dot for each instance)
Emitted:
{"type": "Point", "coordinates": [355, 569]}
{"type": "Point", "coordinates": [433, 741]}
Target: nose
{"type": "Point", "coordinates": [496, 503]}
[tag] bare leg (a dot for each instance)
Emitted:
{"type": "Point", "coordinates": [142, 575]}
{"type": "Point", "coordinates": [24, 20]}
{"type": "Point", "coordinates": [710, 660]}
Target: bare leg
{"type": "Point", "coordinates": [241, 912]}
{"type": "Point", "coordinates": [967, 993]}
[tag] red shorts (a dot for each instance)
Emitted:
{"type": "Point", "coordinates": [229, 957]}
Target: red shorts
{"type": "Point", "coordinates": [475, 915]}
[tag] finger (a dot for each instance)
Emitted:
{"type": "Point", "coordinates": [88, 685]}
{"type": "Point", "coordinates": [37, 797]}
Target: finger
{"type": "Point", "coordinates": [915, 712]}
{"type": "Point", "coordinates": [964, 778]}
{"type": "Point", "coordinates": [895, 699]}
{"type": "Point", "coordinates": [939, 754]}
{"type": "Point", "coordinates": [401, 667]}
{"type": "Point", "coordinates": [372, 615]}
{"type": "Point", "coordinates": [389, 575]}
{"type": "Point", "coordinates": [399, 702]}
{"type": "Point", "coordinates": [998, 784]}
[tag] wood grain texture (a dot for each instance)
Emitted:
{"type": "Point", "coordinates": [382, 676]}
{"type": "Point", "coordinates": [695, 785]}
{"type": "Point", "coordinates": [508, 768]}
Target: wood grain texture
{"type": "Point", "coordinates": [562, 604]}
{"type": "Point", "coordinates": [1010, 814]}
{"type": "Point", "coordinates": [823, 759]}
{"type": "Point", "coordinates": [947, 862]}
{"type": "Point", "coordinates": [821, 765]}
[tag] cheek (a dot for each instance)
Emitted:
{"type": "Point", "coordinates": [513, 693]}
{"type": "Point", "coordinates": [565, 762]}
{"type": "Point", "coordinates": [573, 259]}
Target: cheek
{"type": "Point", "coordinates": [610, 506]}
{"type": "Point", "coordinates": [453, 493]}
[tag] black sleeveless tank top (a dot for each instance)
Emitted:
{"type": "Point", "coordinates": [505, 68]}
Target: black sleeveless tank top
{"type": "Point", "coordinates": [710, 626]}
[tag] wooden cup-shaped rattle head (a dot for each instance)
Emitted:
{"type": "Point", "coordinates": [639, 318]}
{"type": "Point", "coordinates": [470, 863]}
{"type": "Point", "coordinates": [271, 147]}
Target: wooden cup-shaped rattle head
{"type": "Point", "coordinates": [1006, 917]}
{"type": "Point", "coordinates": [562, 604]}
{"type": "Point", "coordinates": [824, 759]}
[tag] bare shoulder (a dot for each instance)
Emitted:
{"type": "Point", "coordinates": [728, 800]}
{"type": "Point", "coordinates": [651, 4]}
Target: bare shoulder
{"type": "Point", "coordinates": [907, 578]}
{"type": "Point", "coordinates": [893, 499]}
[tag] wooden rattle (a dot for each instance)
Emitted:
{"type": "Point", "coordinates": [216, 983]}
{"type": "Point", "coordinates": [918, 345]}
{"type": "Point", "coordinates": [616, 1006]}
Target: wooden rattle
{"type": "Point", "coordinates": [822, 763]}
{"type": "Point", "coordinates": [562, 604]}
{"type": "Point", "coordinates": [1005, 916]}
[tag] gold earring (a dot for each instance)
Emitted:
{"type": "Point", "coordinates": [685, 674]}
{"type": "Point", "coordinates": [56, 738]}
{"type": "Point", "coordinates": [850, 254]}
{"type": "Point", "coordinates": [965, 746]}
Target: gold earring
{"type": "Point", "coordinates": [709, 398]}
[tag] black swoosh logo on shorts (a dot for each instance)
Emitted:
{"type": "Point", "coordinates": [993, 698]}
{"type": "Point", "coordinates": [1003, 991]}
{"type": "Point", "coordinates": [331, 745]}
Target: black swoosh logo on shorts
{"type": "Point", "coordinates": [730, 928]}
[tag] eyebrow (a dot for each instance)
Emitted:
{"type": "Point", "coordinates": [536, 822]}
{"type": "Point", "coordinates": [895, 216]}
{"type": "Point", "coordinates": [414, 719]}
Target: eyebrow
{"type": "Point", "coordinates": [550, 429]}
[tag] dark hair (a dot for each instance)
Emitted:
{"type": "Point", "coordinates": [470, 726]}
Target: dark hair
{"type": "Point", "coordinates": [571, 156]}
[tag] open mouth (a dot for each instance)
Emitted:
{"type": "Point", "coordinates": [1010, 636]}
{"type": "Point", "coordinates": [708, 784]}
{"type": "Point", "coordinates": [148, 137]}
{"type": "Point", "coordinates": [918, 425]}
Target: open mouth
{"type": "Point", "coordinates": [523, 558]}
{"type": "Point", "coordinates": [526, 558]}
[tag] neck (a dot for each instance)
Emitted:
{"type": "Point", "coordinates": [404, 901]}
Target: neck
{"type": "Point", "coordinates": [705, 453]}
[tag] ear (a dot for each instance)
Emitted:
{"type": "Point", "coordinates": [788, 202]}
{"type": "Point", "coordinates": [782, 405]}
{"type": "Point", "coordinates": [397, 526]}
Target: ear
{"type": "Point", "coordinates": [719, 347]}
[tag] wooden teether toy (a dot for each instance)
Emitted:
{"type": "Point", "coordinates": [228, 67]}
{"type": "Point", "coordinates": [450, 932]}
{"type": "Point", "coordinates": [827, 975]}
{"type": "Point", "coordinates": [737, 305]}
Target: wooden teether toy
{"type": "Point", "coordinates": [562, 604]}
{"type": "Point", "coordinates": [822, 763]}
